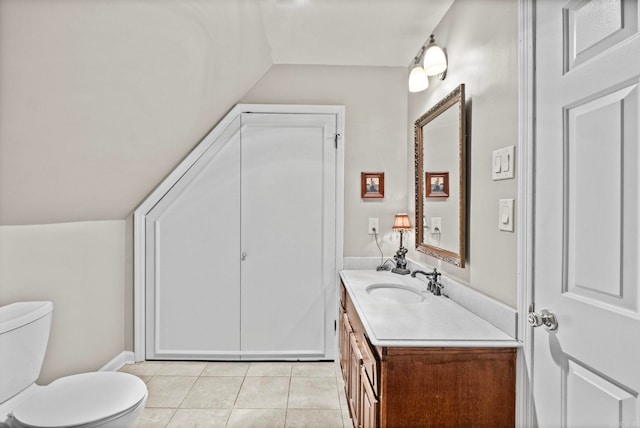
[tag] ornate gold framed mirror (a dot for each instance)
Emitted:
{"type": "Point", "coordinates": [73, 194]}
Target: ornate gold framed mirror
{"type": "Point", "coordinates": [440, 160]}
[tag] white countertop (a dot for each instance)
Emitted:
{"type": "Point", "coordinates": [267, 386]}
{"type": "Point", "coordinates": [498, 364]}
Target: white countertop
{"type": "Point", "coordinates": [434, 322]}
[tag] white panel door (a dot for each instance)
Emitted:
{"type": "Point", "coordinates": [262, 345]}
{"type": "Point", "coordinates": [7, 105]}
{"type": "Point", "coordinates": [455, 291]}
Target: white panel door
{"type": "Point", "coordinates": [193, 264]}
{"type": "Point", "coordinates": [587, 213]}
{"type": "Point", "coordinates": [288, 236]}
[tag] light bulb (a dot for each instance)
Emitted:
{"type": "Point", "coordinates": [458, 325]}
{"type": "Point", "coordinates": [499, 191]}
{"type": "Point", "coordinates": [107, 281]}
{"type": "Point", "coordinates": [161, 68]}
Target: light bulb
{"type": "Point", "coordinates": [418, 80]}
{"type": "Point", "coordinates": [435, 61]}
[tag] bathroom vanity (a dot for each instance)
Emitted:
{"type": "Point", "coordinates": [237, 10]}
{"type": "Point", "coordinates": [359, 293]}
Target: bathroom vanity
{"type": "Point", "coordinates": [412, 359]}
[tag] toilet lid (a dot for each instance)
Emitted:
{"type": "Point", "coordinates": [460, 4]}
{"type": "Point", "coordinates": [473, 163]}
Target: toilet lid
{"type": "Point", "coordinates": [81, 399]}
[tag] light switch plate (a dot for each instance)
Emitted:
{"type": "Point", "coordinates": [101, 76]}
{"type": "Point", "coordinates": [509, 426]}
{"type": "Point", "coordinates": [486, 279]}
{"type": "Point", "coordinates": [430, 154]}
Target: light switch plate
{"type": "Point", "coordinates": [503, 163]}
{"type": "Point", "coordinates": [505, 215]}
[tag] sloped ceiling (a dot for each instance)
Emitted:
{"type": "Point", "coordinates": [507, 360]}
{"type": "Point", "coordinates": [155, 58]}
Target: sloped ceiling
{"type": "Point", "coordinates": [349, 32]}
{"type": "Point", "coordinates": [100, 99]}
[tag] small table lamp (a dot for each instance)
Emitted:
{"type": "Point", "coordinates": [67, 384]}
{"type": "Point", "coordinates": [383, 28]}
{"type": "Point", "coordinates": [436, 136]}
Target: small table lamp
{"type": "Point", "coordinates": [401, 225]}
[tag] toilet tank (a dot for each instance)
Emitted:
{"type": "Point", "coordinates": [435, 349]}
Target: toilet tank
{"type": "Point", "coordinates": [24, 333]}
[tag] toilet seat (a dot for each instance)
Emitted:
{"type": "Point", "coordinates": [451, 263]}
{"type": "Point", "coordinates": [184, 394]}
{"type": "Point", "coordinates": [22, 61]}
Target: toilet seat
{"type": "Point", "coordinates": [81, 399]}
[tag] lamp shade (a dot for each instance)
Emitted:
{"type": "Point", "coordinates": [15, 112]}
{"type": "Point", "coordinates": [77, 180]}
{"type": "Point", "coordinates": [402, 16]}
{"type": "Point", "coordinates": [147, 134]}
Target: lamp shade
{"type": "Point", "coordinates": [435, 61]}
{"type": "Point", "coordinates": [402, 222]}
{"type": "Point", "coordinates": [418, 80]}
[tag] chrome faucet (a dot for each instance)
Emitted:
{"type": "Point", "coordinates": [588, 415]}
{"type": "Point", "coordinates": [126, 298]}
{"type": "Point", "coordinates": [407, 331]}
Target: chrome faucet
{"type": "Point", "coordinates": [433, 285]}
{"type": "Point", "coordinates": [415, 272]}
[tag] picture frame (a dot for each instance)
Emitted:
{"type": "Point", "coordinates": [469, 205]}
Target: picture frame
{"type": "Point", "coordinates": [372, 185]}
{"type": "Point", "coordinates": [436, 184]}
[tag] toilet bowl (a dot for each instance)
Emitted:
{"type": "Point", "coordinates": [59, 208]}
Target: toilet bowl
{"type": "Point", "coordinates": [100, 399]}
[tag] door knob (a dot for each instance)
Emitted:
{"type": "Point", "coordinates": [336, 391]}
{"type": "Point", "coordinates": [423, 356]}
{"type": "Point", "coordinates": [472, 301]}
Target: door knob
{"type": "Point", "coordinates": [545, 318]}
{"type": "Point", "coordinates": [243, 256]}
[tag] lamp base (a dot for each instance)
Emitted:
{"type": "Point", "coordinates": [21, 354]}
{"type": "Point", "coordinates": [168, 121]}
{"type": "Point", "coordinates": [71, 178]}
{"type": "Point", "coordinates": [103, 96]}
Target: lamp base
{"type": "Point", "coordinates": [400, 271]}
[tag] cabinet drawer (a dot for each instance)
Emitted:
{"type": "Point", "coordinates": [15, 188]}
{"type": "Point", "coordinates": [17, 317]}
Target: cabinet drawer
{"type": "Point", "coordinates": [370, 365]}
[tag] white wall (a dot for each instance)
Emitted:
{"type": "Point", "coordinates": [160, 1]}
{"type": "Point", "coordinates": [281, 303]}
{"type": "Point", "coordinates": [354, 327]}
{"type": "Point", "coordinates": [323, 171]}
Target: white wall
{"type": "Point", "coordinates": [480, 39]}
{"type": "Point", "coordinates": [80, 268]}
{"type": "Point", "coordinates": [375, 101]}
{"type": "Point", "coordinates": [101, 98]}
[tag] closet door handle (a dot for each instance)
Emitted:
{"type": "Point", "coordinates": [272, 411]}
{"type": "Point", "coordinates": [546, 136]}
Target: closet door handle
{"type": "Point", "coordinates": [243, 256]}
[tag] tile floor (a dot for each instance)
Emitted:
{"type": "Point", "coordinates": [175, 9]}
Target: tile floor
{"type": "Point", "coordinates": [242, 394]}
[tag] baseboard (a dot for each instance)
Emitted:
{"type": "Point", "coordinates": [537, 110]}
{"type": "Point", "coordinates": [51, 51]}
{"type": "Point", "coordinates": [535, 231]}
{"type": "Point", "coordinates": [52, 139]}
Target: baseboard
{"type": "Point", "coordinates": [125, 357]}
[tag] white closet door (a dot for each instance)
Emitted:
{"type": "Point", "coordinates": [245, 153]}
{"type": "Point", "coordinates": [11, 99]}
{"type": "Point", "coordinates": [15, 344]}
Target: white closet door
{"type": "Point", "coordinates": [288, 236]}
{"type": "Point", "coordinates": [193, 260]}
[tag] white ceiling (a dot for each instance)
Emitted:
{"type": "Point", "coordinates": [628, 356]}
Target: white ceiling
{"type": "Point", "coordinates": [349, 32]}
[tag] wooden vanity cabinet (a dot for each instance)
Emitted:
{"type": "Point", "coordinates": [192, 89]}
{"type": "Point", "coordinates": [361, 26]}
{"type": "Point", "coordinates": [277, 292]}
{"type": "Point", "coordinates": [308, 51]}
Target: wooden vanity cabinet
{"type": "Point", "coordinates": [424, 387]}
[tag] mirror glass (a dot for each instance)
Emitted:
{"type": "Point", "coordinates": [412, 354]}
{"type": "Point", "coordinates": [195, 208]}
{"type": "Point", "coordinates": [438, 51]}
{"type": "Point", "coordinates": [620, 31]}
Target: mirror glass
{"type": "Point", "coordinates": [440, 141]}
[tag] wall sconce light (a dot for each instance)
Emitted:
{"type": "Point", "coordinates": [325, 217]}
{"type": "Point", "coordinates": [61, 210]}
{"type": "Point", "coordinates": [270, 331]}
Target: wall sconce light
{"type": "Point", "coordinates": [418, 80]}
{"type": "Point", "coordinates": [434, 62]}
{"type": "Point", "coordinates": [401, 224]}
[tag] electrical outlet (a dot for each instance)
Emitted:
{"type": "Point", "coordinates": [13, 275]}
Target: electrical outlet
{"type": "Point", "coordinates": [373, 226]}
{"type": "Point", "coordinates": [436, 224]}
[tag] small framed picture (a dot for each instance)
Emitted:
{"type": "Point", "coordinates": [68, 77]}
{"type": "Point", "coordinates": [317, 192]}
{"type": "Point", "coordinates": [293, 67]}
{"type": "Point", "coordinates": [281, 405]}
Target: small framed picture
{"type": "Point", "coordinates": [372, 185]}
{"type": "Point", "coordinates": [437, 185]}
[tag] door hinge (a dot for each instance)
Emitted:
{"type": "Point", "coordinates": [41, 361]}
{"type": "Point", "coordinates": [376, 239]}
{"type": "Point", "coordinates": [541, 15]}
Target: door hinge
{"type": "Point", "coordinates": [335, 325]}
{"type": "Point", "coordinates": [335, 139]}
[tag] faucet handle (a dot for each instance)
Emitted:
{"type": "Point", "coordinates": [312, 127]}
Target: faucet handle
{"type": "Point", "coordinates": [437, 288]}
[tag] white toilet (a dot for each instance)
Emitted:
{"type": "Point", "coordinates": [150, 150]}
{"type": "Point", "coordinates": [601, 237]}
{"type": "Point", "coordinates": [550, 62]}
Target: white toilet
{"type": "Point", "coordinates": [100, 399]}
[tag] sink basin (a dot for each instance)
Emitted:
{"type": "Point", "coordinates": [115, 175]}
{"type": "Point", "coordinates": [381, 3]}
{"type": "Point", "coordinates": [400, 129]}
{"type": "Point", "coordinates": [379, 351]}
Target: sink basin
{"type": "Point", "coordinates": [395, 293]}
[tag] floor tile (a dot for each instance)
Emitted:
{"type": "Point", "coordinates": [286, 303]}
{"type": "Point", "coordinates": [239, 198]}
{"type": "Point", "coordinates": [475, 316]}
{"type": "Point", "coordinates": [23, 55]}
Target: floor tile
{"type": "Point", "coordinates": [199, 418]}
{"type": "Point", "coordinates": [342, 396]}
{"type": "Point", "coordinates": [242, 394]}
{"type": "Point", "coordinates": [346, 419]}
{"type": "Point", "coordinates": [263, 393]}
{"type": "Point", "coordinates": [213, 393]}
{"type": "Point", "coordinates": [225, 369]}
{"type": "Point", "coordinates": [305, 418]}
{"type": "Point", "coordinates": [270, 369]}
{"type": "Point", "coordinates": [145, 368]}
{"type": "Point", "coordinates": [154, 418]}
{"type": "Point", "coordinates": [257, 418]}
{"type": "Point", "coordinates": [314, 370]}
{"type": "Point", "coordinates": [168, 391]}
{"type": "Point", "coordinates": [181, 368]}
{"type": "Point", "coordinates": [145, 379]}
{"type": "Point", "coordinates": [313, 393]}
{"type": "Point", "coordinates": [167, 368]}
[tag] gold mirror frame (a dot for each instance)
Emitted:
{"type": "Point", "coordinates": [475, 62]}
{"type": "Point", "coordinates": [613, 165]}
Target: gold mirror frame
{"type": "Point", "coordinates": [453, 99]}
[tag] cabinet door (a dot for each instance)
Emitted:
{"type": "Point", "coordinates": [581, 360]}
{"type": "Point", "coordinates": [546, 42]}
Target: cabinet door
{"type": "Point", "coordinates": [368, 403]}
{"type": "Point", "coordinates": [354, 385]}
{"type": "Point", "coordinates": [288, 235]}
{"type": "Point", "coordinates": [193, 260]}
{"type": "Point", "coordinates": [345, 334]}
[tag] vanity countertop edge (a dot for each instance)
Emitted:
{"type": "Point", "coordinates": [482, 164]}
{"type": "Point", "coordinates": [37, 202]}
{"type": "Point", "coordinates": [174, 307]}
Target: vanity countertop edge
{"type": "Point", "coordinates": [436, 322]}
